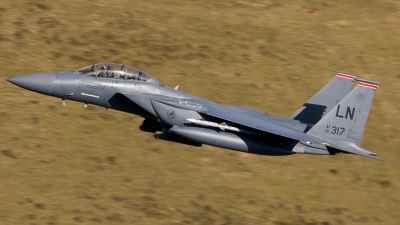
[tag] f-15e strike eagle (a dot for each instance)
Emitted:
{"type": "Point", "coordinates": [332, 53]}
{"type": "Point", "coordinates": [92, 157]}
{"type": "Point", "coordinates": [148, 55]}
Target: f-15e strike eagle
{"type": "Point", "coordinates": [331, 122]}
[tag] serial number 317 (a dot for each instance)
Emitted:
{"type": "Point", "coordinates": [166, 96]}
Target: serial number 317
{"type": "Point", "coordinates": [334, 130]}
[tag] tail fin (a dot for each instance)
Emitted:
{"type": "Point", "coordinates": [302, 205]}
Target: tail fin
{"type": "Point", "coordinates": [325, 99]}
{"type": "Point", "coordinates": [346, 121]}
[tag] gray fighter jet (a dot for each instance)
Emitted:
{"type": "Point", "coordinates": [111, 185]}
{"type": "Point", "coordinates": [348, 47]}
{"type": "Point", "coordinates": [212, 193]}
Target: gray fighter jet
{"type": "Point", "coordinates": [331, 122]}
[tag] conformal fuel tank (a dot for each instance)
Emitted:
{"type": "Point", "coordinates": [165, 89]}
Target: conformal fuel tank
{"type": "Point", "coordinates": [238, 142]}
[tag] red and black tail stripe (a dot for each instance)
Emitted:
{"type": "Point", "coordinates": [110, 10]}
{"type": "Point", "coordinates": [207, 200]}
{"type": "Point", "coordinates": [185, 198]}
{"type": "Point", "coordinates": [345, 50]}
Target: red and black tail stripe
{"type": "Point", "coordinates": [373, 86]}
{"type": "Point", "coordinates": [347, 76]}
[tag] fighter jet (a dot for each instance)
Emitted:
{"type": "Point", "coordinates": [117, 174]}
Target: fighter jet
{"type": "Point", "coordinates": [329, 123]}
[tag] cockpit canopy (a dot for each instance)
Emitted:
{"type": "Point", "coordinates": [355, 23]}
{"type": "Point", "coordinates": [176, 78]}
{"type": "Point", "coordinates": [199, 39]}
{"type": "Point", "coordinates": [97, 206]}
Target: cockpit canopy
{"type": "Point", "coordinates": [115, 71]}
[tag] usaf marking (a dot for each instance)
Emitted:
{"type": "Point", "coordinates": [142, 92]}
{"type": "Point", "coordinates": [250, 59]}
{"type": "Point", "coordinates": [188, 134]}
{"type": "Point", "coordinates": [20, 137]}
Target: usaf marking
{"type": "Point", "coordinates": [190, 104]}
{"type": "Point", "coordinates": [335, 130]}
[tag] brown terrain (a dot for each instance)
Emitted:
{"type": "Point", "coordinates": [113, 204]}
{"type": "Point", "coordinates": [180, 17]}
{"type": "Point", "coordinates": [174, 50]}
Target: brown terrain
{"type": "Point", "coordinates": [71, 165]}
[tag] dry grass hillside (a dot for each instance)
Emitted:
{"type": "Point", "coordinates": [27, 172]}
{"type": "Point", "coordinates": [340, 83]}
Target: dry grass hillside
{"type": "Point", "coordinates": [71, 165]}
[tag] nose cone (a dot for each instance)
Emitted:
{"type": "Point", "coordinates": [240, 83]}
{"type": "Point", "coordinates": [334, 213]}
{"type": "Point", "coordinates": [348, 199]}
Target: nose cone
{"type": "Point", "coordinates": [40, 82]}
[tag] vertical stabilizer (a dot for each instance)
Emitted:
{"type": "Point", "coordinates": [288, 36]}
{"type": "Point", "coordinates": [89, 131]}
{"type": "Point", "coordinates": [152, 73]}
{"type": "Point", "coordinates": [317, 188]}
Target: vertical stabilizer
{"type": "Point", "coordinates": [347, 120]}
{"type": "Point", "coordinates": [325, 99]}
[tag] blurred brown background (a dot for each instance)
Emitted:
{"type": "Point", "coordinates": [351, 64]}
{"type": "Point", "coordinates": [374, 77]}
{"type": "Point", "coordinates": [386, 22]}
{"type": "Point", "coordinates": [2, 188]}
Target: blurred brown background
{"type": "Point", "coordinates": [71, 165]}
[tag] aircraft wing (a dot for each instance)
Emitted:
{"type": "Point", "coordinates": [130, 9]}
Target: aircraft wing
{"type": "Point", "coordinates": [249, 120]}
{"type": "Point", "coordinates": [262, 125]}
{"type": "Point", "coordinates": [270, 127]}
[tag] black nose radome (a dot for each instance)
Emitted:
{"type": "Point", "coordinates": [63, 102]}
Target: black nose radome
{"type": "Point", "coordinates": [40, 82]}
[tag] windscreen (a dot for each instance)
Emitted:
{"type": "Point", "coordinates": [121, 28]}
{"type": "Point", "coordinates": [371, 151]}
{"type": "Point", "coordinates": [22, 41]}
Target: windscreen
{"type": "Point", "coordinates": [115, 71]}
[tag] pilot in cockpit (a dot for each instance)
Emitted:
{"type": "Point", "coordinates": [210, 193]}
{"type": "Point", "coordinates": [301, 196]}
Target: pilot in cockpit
{"type": "Point", "coordinates": [110, 72]}
{"type": "Point", "coordinates": [103, 72]}
{"type": "Point", "coordinates": [141, 76]}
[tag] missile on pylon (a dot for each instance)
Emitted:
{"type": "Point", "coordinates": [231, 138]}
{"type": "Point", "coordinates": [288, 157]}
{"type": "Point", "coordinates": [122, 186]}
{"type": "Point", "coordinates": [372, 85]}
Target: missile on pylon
{"type": "Point", "coordinates": [221, 126]}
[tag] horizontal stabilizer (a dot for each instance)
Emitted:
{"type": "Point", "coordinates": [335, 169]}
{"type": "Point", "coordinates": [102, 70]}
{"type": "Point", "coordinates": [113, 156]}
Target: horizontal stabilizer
{"type": "Point", "coordinates": [352, 148]}
{"type": "Point", "coordinates": [372, 157]}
